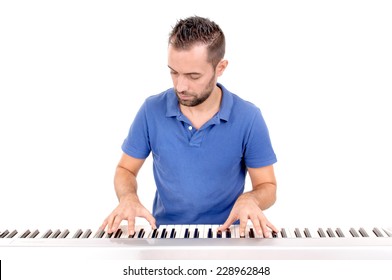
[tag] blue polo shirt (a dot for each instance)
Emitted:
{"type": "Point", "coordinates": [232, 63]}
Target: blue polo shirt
{"type": "Point", "coordinates": [199, 173]}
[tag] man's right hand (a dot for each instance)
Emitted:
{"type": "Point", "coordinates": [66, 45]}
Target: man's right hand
{"type": "Point", "coordinates": [128, 209]}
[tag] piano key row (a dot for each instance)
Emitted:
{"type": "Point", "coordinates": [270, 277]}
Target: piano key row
{"type": "Point", "coordinates": [47, 234]}
{"type": "Point", "coordinates": [200, 231]}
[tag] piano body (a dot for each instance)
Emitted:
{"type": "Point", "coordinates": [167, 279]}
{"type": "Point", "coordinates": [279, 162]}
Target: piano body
{"type": "Point", "coordinates": [203, 242]}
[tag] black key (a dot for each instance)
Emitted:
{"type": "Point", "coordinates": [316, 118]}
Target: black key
{"type": "Point", "coordinates": [307, 233]}
{"type": "Point", "coordinates": [132, 235]}
{"type": "Point", "coordinates": [47, 234]}
{"type": "Point", "coordinates": [12, 234]}
{"type": "Point", "coordinates": [339, 232]}
{"type": "Point", "coordinates": [377, 232]}
{"type": "Point", "coordinates": [297, 233]}
{"type": "Point", "coordinates": [64, 234]}
{"type": "Point", "coordinates": [154, 233]}
{"type": "Point", "coordinates": [210, 233]}
{"type": "Point", "coordinates": [87, 233]}
{"type": "Point", "coordinates": [228, 233]}
{"type": "Point", "coordinates": [164, 233]}
{"type": "Point", "coordinates": [4, 234]}
{"type": "Point", "coordinates": [77, 234]}
{"type": "Point", "coordinates": [186, 234]}
{"type": "Point", "coordinates": [34, 234]}
{"type": "Point", "coordinates": [100, 233]}
{"type": "Point", "coordinates": [274, 234]}
{"type": "Point", "coordinates": [56, 234]}
{"type": "Point", "coordinates": [118, 233]}
{"type": "Point", "coordinates": [251, 233]}
{"type": "Point", "coordinates": [353, 232]}
{"type": "Point", "coordinates": [283, 233]}
{"type": "Point", "coordinates": [330, 232]}
{"type": "Point", "coordinates": [219, 234]}
{"type": "Point", "coordinates": [321, 232]}
{"type": "Point", "coordinates": [109, 235]}
{"type": "Point", "coordinates": [363, 232]}
{"type": "Point", "coordinates": [141, 233]}
{"type": "Point", "coordinates": [173, 233]}
{"type": "Point", "coordinates": [196, 233]}
{"type": "Point", "coordinates": [25, 234]}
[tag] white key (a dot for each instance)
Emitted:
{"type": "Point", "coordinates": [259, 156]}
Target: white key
{"type": "Point", "coordinates": [161, 229]}
{"type": "Point", "coordinates": [192, 229]}
{"type": "Point", "coordinates": [169, 229]}
{"type": "Point", "coordinates": [179, 229]}
{"type": "Point", "coordinates": [233, 231]}
{"type": "Point", "coordinates": [388, 231]}
{"type": "Point", "coordinates": [205, 231]}
{"type": "Point", "coordinates": [314, 233]}
{"type": "Point", "coordinates": [214, 229]}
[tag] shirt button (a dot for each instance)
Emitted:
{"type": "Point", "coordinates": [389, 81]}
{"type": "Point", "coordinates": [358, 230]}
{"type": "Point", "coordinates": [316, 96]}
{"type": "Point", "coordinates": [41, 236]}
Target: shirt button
{"type": "Point", "coordinates": [190, 127]}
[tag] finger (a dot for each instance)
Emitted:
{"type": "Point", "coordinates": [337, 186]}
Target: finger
{"type": "Point", "coordinates": [257, 225]}
{"type": "Point", "coordinates": [272, 227]}
{"type": "Point", "coordinates": [150, 219]}
{"type": "Point", "coordinates": [243, 223]}
{"type": "Point", "coordinates": [110, 221]}
{"type": "Point", "coordinates": [104, 224]}
{"type": "Point", "coordinates": [266, 231]}
{"type": "Point", "coordinates": [131, 226]}
{"type": "Point", "coordinates": [230, 220]}
{"type": "Point", "coordinates": [116, 224]}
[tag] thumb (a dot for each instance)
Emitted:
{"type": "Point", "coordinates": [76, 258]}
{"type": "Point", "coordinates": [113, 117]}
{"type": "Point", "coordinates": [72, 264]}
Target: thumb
{"type": "Point", "coordinates": [150, 218]}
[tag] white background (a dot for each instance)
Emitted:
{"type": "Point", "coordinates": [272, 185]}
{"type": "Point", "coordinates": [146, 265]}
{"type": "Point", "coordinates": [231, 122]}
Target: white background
{"type": "Point", "coordinates": [74, 73]}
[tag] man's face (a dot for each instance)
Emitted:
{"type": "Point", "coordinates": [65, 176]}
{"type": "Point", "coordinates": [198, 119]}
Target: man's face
{"type": "Point", "coordinates": [193, 77]}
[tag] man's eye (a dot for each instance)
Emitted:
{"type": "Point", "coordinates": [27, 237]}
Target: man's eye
{"type": "Point", "coordinates": [194, 77]}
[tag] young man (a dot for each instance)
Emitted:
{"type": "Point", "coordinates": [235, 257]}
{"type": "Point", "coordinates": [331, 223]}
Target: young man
{"type": "Point", "coordinates": [204, 140]}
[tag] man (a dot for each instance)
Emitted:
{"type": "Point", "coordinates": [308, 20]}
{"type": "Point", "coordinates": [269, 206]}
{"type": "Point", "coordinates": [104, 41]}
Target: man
{"type": "Point", "coordinates": [204, 140]}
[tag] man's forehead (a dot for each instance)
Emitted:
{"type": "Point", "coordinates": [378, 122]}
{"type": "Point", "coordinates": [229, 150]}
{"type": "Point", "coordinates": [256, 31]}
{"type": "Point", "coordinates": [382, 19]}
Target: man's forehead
{"type": "Point", "coordinates": [191, 60]}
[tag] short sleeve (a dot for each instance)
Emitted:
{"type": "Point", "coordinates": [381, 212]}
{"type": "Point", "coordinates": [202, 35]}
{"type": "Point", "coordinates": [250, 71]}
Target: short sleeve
{"type": "Point", "coordinates": [258, 149]}
{"type": "Point", "coordinates": [137, 143]}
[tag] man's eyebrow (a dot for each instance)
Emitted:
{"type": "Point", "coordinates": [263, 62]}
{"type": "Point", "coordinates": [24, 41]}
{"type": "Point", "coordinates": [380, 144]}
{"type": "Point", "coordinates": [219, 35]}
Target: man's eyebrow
{"type": "Point", "coordinates": [190, 73]}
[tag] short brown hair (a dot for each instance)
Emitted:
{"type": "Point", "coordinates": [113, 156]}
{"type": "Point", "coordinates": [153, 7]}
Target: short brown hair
{"type": "Point", "coordinates": [198, 30]}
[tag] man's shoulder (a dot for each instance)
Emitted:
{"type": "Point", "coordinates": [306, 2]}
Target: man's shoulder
{"type": "Point", "coordinates": [240, 103]}
{"type": "Point", "coordinates": [243, 103]}
{"type": "Point", "coordinates": [244, 107]}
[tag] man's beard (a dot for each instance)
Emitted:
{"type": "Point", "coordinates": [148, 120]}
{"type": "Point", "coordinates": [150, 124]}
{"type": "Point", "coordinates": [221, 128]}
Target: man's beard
{"type": "Point", "coordinates": [196, 100]}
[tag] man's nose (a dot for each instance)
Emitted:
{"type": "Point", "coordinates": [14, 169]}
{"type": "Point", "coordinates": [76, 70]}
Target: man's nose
{"type": "Point", "coordinates": [182, 84]}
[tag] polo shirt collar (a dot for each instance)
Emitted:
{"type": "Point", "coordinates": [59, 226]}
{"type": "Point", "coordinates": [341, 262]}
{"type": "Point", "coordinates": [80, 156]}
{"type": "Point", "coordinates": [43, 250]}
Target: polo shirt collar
{"type": "Point", "coordinates": [173, 110]}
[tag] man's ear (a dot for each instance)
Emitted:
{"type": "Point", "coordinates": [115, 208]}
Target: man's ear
{"type": "Point", "coordinates": [220, 68]}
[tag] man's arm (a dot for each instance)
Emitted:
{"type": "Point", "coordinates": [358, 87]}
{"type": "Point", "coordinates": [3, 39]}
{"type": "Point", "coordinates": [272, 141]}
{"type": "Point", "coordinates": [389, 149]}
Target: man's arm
{"type": "Point", "coordinates": [129, 206]}
{"type": "Point", "coordinates": [250, 205]}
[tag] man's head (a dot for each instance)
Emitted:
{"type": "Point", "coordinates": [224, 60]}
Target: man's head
{"type": "Point", "coordinates": [193, 31]}
{"type": "Point", "coordinates": [195, 58]}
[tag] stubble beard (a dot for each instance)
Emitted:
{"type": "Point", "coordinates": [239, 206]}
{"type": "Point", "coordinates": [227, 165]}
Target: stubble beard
{"type": "Point", "coordinates": [197, 100]}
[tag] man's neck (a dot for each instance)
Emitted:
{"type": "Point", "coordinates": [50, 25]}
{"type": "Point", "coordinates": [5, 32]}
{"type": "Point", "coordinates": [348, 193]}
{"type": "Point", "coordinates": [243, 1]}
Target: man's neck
{"type": "Point", "coordinates": [203, 112]}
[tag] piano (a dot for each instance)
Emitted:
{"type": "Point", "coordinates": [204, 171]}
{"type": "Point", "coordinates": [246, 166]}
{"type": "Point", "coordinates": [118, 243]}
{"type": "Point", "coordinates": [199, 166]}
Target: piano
{"type": "Point", "coordinates": [205, 242]}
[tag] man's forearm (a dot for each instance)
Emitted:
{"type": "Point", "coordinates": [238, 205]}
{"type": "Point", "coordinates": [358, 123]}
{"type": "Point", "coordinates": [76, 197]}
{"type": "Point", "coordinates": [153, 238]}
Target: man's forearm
{"type": "Point", "coordinates": [264, 195]}
{"type": "Point", "coordinates": [125, 184]}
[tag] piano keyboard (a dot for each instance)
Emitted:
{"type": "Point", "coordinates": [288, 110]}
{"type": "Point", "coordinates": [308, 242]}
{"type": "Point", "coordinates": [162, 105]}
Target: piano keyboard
{"type": "Point", "coordinates": [205, 242]}
{"type": "Point", "coordinates": [195, 232]}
